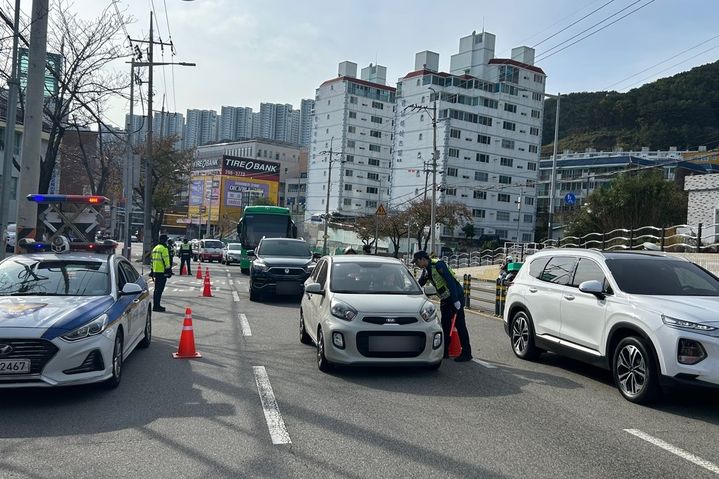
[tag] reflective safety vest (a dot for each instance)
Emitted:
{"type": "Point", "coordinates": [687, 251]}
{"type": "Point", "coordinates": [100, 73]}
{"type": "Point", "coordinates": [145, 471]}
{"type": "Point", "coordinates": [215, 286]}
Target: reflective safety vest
{"type": "Point", "coordinates": [439, 281]}
{"type": "Point", "coordinates": [185, 249]}
{"type": "Point", "coordinates": [160, 259]}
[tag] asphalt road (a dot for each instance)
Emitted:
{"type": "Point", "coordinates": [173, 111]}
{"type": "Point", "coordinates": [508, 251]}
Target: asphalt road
{"type": "Point", "coordinates": [205, 418]}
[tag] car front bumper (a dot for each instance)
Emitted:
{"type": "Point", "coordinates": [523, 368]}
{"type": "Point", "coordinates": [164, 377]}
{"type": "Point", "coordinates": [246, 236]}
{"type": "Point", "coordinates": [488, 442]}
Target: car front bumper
{"type": "Point", "coordinates": [280, 284]}
{"type": "Point", "coordinates": [703, 373]}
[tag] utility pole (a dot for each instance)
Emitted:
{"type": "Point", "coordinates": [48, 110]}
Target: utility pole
{"type": "Point", "coordinates": [552, 186]}
{"type": "Point", "coordinates": [129, 174]}
{"type": "Point", "coordinates": [327, 200]}
{"type": "Point", "coordinates": [13, 86]}
{"type": "Point", "coordinates": [519, 211]}
{"type": "Point", "coordinates": [32, 136]}
{"type": "Point", "coordinates": [376, 217]}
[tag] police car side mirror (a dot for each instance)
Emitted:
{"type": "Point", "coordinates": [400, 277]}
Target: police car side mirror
{"type": "Point", "coordinates": [131, 288]}
{"type": "Point", "coordinates": [430, 290]}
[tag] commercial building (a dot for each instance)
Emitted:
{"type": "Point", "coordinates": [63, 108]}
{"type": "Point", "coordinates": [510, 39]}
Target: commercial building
{"type": "Point", "coordinates": [201, 128]}
{"type": "Point", "coordinates": [489, 121]}
{"type": "Point", "coordinates": [351, 147]}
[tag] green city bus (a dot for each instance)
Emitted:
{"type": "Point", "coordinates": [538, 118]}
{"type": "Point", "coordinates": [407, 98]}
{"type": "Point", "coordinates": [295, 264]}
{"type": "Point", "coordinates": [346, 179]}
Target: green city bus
{"type": "Point", "coordinates": [262, 221]}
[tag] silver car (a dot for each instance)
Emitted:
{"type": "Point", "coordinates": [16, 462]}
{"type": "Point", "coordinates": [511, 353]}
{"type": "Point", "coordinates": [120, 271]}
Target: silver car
{"type": "Point", "coordinates": [367, 310]}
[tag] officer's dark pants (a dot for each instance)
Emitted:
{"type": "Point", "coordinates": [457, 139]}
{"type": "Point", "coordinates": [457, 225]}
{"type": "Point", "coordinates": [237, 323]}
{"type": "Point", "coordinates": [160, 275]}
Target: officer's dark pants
{"type": "Point", "coordinates": [185, 261]}
{"type": "Point", "coordinates": [447, 310]}
{"type": "Point", "coordinates": [160, 280]}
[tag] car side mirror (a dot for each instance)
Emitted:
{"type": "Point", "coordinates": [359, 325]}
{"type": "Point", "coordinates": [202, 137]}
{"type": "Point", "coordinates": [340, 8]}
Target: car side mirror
{"type": "Point", "coordinates": [251, 253]}
{"type": "Point", "coordinates": [314, 288]}
{"type": "Point", "coordinates": [430, 290]}
{"type": "Point", "coordinates": [593, 287]}
{"type": "Point", "coordinates": [131, 288]}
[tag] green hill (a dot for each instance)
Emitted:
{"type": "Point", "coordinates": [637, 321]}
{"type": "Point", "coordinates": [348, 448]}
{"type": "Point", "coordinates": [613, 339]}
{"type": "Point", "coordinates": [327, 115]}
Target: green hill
{"type": "Point", "coordinates": [681, 110]}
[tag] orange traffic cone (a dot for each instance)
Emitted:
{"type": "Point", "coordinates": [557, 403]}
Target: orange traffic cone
{"type": "Point", "coordinates": [183, 271]}
{"type": "Point", "coordinates": [186, 349]}
{"type": "Point", "coordinates": [207, 292]}
{"type": "Point", "coordinates": [455, 348]}
{"type": "Point", "coordinates": [199, 271]}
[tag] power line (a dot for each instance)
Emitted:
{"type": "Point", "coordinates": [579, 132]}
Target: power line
{"type": "Point", "coordinates": [572, 24]}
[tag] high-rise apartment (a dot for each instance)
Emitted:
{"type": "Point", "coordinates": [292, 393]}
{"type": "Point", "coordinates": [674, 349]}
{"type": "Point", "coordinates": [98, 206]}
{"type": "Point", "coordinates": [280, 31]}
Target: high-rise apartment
{"type": "Point", "coordinates": [169, 124]}
{"type": "Point", "coordinates": [307, 107]}
{"type": "Point", "coordinates": [235, 123]}
{"type": "Point", "coordinates": [351, 147]}
{"type": "Point", "coordinates": [201, 128]}
{"type": "Point", "coordinates": [489, 121]}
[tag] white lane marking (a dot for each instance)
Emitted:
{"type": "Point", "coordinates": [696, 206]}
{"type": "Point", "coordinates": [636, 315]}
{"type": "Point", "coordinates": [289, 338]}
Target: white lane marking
{"type": "Point", "coordinates": [275, 423]}
{"type": "Point", "coordinates": [245, 325]}
{"type": "Point", "coordinates": [710, 466]}
{"type": "Point", "coordinates": [484, 363]}
{"type": "Point", "coordinates": [235, 297]}
{"type": "Point", "coordinates": [231, 282]}
{"type": "Point", "coordinates": [175, 290]}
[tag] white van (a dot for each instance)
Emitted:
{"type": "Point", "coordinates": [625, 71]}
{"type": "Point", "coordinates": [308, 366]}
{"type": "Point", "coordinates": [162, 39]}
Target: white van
{"type": "Point", "coordinates": [210, 250]}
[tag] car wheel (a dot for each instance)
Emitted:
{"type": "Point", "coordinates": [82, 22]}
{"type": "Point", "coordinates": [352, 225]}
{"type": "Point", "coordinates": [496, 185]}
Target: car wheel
{"type": "Point", "coordinates": [322, 363]}
{"type": "Point", "coordinates": [147, 338]}
{"type": "Point", "coordinates": [634, 371]}
{"type": "Point", "coordinates": [114, 380]}
{"type": "Point", "coordinates": [304, 337]}
{"type": "Point", "coordinates": [522, 336]}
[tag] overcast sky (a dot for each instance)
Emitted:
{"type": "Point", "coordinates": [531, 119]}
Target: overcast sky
{"type": "Point", "coordinates": [279, 51]}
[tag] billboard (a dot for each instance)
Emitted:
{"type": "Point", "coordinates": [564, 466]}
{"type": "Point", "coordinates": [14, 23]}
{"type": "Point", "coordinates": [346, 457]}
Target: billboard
{"type": "Point", "coordinates": [250, 168]}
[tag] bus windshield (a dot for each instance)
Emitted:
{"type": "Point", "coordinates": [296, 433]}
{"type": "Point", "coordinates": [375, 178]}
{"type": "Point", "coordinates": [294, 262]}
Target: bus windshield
{"type": "Point", "coordinates": [257, 226]}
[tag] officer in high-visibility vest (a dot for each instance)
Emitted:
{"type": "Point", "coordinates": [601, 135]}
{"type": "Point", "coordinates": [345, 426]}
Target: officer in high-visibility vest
{"type": "Point", "coordinates": [185, 255]}
{"type": "Point", "coordinates": [451, 300]}
{"type": "Point", "coordinates": [161, 270]}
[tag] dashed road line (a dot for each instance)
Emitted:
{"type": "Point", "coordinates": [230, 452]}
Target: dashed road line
{"type": "Point", "coordinates": [275, 423]}
{"type": "Point", "coordinates": [709, 466]}
{"type": "Point", "coordinates": [231, 282]}
{"type": "Point", "coordinates": [484, 363]}
{"type": "Point", "coordinates": [245, 326]}
{"type": "Point", "coordinates": [235, 296]}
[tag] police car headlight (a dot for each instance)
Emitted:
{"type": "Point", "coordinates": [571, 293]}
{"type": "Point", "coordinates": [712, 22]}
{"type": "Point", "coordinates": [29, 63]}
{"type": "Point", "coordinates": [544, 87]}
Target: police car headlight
{"type": "Point", "coordinates": [428, 311]}
{"type": "Point", "coordinates": [94, 327]}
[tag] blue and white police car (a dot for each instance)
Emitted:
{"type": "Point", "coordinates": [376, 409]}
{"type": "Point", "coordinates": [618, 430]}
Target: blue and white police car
{"type": "Point", "coordinates": [70, 313]}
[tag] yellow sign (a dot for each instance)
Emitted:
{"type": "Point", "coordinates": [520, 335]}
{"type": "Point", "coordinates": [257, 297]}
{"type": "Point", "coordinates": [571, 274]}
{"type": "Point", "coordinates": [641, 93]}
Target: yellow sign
{"type": "Point", "coordinates": [381, 211]}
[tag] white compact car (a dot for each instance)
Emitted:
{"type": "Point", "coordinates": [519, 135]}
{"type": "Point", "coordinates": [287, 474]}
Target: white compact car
{"type": "Point", "coordinates": [367, 310]}
{"type": "Point", "coordinates": [651, 318]}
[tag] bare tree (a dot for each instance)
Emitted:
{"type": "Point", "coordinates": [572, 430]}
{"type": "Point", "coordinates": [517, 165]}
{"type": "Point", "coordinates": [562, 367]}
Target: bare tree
{"type": "Point", "coordinates": [450, 215]}
{"type": "Point", "coordinates": [393, 226]}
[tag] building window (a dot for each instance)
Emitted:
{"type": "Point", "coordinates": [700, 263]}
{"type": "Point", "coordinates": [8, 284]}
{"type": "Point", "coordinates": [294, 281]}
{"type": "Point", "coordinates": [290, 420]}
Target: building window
{"type": "Point", "coordinates": [375, 134]}
{"type": "Point", "coordinates": [528, 200]}
{"type": "Point", "coordinates": [503, 197]}
{"type": "Point", "coordinates": [505, 180]}
{"type": "Point", "coordinates": [509, 74]}
{"type": "Point", "coordinates": [372, 190]}
{"type": "Point", "coordinates": [420, 137]}
{"type": "Point", "coordinates": [347, 201]}
{"type": "Point", "coordinates": [378, 105]}
{"type": "Point", "coordinates": [350, 158]}
{"type": "Point", "coordinates": [510, 107]}
{"type": "Point", "coordinates": [373, 162]}
{"type": "Point", "coordinates": [502, 215]}
{"type": "Point", "coordinates": [508, 144]}
{"type": "Point", "coordinates": [348, 187]}
{"type": "Point", "coordinates": [455, 133]}
{"type": "Point", "coordinates": [489, 103]}
{"type": "Point", "coordinates": [534, 131]}
{"type": "Point", "coordinates": [538, 78]}
{"type": "Point", "coordinates": [353, 100]}
{"type": "Point", "coordinates": [536, 114]}
{"type": "Point", "coordinates": [376, 119]}
{"type": "Point", "coordinates": [528, 218]}
{"type": "Point", "coordinates": [506, 162]}
{"type": "Point", "coordinates": [370, 204]}
{"type": "Point", "coordinates": [349, 172]}
{"type": "Point", "coordinates": [501, 233]}
{"type": "Point", "coordinates": [480, 195]}
{"type": "Point", "coordinates": [481, 176]}
{"type": "Point", "coordinates": [451, 171]}
{"type": "Point", "coordinates": [453, 153]}
{"type": "Point", "coordinates": [508, 125]}
{"type": "Point", "coordinates": [484, 139]}
{"type": "Point", "coordinates": [533, 149]}
{"type": "Point", "coordinates": [351, 129]}
{"type": "Point", "coordinates": [537, 96]}
{"type": "Point", "coordinates": [451, 191]}
{"type": "Point", "coordinates": [353, 114]}
{"type": "Point", "coordinates": [483, 157]}
{"type": "Point", "coordinates": [350, 143]}
{"type": "Point", "coordinates": [373, 176]}
{"type": "Point", "coordinates": [532, 166]}
{"type": "Point", "coordinates": [477, 213]}
{"type": "Point", "coordinates": [526, 237]}
{"type": "Point", "coordinates": [374, 148]}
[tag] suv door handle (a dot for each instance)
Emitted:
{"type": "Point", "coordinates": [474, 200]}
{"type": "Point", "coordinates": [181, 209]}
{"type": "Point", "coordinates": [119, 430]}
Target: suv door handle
{"type": "Point", "coordinates": [569, 297]}
{"type": "Point", "coordinates": [532, 290]}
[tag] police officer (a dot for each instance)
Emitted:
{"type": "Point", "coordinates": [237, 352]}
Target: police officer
{"type": "Point", "coordinates": [185, 255]}
{"type": "Point", "coordinates": [161, 270]}
{"type": "Point", "coordinates": [451, 300]}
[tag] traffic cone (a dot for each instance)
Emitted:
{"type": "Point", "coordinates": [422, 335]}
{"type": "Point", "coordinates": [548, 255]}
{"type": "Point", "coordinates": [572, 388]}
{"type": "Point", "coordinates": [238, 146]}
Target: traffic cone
{"type": "Point", "coordinates": [183, 271]}
{"type": "Point", "coordinates": [199, 271]}
{"type": "Point", "coordinates": [186, 349]}
{"type": "Point", "coordinates": [455, 348]}
{"type": "Point", "coordinates": [207, 292]}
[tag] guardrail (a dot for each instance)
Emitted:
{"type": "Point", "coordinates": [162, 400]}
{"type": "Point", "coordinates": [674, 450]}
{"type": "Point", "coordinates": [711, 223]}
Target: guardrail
{"type": "Point", "coordinates": [481, 295]}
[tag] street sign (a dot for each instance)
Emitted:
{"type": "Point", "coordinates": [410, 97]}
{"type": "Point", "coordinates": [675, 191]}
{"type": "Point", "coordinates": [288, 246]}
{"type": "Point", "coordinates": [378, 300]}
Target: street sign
{"type": "Point", "coordinates": [570, 199]}
{"type": "Point", "coordinates": [381, 211]}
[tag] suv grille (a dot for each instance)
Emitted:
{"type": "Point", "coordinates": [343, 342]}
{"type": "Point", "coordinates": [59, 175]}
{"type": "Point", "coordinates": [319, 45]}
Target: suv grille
{"type": "Point", "coordinates": [280, 271]}
{"type": "Point", "coordinates": [38, 351]}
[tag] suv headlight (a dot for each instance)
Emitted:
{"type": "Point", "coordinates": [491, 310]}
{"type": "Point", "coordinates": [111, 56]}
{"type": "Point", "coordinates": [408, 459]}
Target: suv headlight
{"type": "Point", "coordinates": [428, 311]}
{"type": "Point", "coordinates": [687, 325]}
{"type": "Point", "coordinates": [259, 266]}
{"type": "Point", "coordinates": [309, 267]}
{"type": "Point", "coordinates": [94, 327]}
{"type": "Point", "coordinates": [343, 310]}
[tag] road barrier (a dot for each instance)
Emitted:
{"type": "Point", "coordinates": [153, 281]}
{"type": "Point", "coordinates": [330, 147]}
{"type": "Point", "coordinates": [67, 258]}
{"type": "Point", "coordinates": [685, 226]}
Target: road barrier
{"type": "Point", "coordinates": [478, 294]}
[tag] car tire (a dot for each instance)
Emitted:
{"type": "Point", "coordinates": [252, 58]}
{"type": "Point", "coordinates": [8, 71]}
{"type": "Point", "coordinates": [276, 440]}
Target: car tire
{"type": "Point", "coordinates": [521, 334]}
{"type": "Point", "coordinates": [245, 270]}
{"type": "Point", "coordinates": [304, 337]}
{"type": "Point", "coordinates": [117, 359]}
{"type": "Point", "coordinates": [147, 338]}
{"type": "Point", "coordinates": [322, 363]}
{"type": "Point", "coordinates": [254, 295]}
{"type": "Point", "coordinates": [634, 370]}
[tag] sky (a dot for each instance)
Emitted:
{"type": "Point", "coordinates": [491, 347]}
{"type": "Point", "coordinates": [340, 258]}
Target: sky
{"type": "Point", "coordinates": [280, 51]}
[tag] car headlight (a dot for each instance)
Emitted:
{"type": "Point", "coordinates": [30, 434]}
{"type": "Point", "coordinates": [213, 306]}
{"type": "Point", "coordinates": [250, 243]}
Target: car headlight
{"type": "Point", "coordinates": [259, 266]}
{"type": "Point", "coordinates": [94, 327]}
{"type": "Point", "coordinates": [428, 311]}
{"type": "Point", "coordinates": [687, 325]}
{"type": "Point", "coordinates": [343, 310]}
{"type": "Point", "coordinates": [309, 267]}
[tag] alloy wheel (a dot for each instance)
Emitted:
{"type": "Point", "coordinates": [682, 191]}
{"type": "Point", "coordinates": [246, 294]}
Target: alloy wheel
{"type": "Point", "coordinates": [520, 334]}
{"type": "Point", "coordinates": [631, 370]}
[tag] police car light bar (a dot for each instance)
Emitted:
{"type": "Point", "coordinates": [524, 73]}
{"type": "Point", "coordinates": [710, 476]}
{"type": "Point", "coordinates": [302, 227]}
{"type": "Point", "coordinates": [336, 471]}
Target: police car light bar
{"type": "Point", "coordinates": [31, 245]}
{"type": "Point", "coordinates": [88, 199]}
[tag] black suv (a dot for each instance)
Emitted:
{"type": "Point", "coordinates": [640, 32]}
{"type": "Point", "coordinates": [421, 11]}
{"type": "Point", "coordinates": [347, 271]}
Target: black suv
{"type": "Point", "coordinates": [280, 266]}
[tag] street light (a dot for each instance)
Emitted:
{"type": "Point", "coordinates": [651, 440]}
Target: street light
{"type": "Point", "coordinates": [552, 193]}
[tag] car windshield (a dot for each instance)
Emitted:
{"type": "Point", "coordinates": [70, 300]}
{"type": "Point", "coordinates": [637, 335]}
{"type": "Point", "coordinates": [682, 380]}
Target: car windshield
{"type": "Point", "coordinates": [372, 278]}
{"type": "Point", "coordinates": [54, 278]}
{"type": "Point", "coordinates": [662, 277]}
{"type": "Point", "coordinates": [297, 249]}
{"type": "Point", "coordinates": [234, 246]}
{"type": "Point", "coordinates": [214, 244]}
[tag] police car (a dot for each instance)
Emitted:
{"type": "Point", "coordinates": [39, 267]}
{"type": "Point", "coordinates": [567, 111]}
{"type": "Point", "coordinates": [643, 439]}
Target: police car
{"type": "Point", "coordinates": [70, 311]}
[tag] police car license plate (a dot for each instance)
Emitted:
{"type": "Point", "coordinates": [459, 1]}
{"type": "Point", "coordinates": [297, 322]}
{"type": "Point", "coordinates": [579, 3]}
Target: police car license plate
{"type": "Point", "coordinates": [14, 366]}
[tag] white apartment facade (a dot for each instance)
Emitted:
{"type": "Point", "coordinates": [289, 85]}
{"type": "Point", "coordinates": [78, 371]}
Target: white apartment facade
{"type": "Point", "coordinates": [235, 123]}
{"type": "Point", "coordinates": [354, 118]}
{"type": "Point", "coordinates": [489, 122]}
{"type": "Point", "coordinates": [201, 128]}
{"type": "Point", "coordinates": [307, 107]}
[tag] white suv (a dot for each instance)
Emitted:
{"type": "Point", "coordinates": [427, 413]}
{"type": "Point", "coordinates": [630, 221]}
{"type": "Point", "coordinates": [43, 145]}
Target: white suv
{"type": "Point", "coordinates": [650, 318]}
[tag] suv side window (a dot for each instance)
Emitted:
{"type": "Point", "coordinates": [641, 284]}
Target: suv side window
{"type": "Point", "coordinates": [559, 270]}
{"type": "Point", "coordinates": [588, 270]}
{"type": "Point", "coordinates": [536, 266]}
